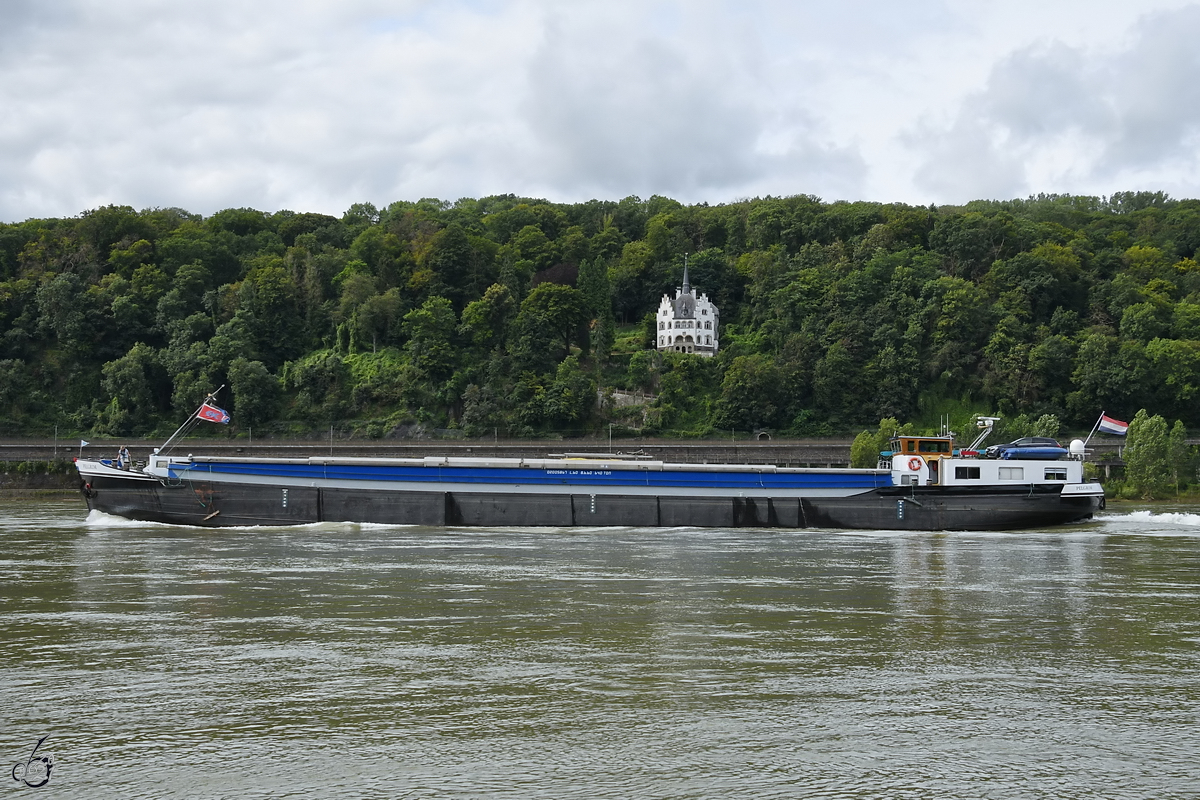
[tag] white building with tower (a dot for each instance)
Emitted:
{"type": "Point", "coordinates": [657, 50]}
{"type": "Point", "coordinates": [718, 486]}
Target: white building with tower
{"type": "Point", "coordinates": [687, 324]}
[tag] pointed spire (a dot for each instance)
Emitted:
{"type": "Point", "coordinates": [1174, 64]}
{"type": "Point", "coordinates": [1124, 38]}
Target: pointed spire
{"type": "Point", "coordinates": [687, 287]}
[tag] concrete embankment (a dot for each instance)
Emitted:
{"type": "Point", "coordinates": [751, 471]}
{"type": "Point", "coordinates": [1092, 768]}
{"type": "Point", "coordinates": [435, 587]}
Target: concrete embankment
{"type": "Point", "coordinates": [20, 478]}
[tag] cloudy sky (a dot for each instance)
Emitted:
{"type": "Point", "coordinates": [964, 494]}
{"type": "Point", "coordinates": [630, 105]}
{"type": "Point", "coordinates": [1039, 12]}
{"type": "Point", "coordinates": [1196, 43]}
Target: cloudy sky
{"type": "Point", "coordinates": [314, 105]}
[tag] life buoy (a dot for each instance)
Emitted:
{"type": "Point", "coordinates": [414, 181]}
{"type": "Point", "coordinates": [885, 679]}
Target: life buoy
{"type": "Point", "coordinates": [915, 464]}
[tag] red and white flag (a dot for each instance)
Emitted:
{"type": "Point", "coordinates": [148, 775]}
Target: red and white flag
{"type": "Point", "coordinates": [213, 414]}
{"type": "Point", "coordinates": [1113, 426]}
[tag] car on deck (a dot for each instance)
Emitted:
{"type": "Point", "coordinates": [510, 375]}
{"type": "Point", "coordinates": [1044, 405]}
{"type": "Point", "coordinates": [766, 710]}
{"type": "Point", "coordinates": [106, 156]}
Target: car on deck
{"type": "Point", "coordinates": [1026, 446]}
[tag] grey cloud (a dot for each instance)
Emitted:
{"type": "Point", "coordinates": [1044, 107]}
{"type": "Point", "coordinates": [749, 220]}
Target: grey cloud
{"type": "Point", "coordinates": [316, 105]}
{"type": "Point", "coordinates": [637, 115]}
{"type": "Point", "coordinates": [1102, 117]}
{"type": "Point", "coordinates": [21, 19]}
{"type": "Point", "coordinates": [649, 115]}
{"type": "Point", "coordinates": [1156, 92]}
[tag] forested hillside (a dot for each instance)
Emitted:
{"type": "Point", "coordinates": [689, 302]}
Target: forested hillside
{"type": "Point", "coordinates": [509, 316]}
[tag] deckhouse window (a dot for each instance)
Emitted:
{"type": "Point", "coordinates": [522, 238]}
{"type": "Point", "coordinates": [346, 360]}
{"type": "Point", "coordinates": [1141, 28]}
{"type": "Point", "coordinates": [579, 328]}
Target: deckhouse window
{"type": "Point", "coordinates": [966, 473]}
{"type": "Point", "coordinates": [1012, 473]}
{"type": "Point", "coordinates": [1056, 474]}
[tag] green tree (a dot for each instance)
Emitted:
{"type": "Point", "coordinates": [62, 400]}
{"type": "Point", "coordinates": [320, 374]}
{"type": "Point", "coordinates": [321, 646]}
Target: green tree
{"type": "Point", "coordinates": [322, 382]}
{"type": "Point", "coordinates": [255, 391]}
{"type": "Point", "coordinates": [378, 319]}
{"type": "Point", "coordinates": [125, 260]}
{"type": "Point", "coordinates": [1098, 377]}
{"type": "Point", "coordinates": [430, 333]}
{"type": "Point", "coordinates": [643, 369]}
{"type": "Point", "coordinates": [14, 388]}
{"type": "Point", "coordinates": [631, 277]}
{"type": "Point", "coordinates": [864, 452]}
{"type": "Point", "coordinates": [269, 293]}
{"type": "Point", "coordinates": [1023, 425]}
{"type": "Point", "coordinates": [64, 304]}
{"type": "Point", "coordinates": [837, 389]}
{"type": "Point", "coordinates": [749, 394]}
{"type": "Point", "coordinates": [597, 296]}
{"type": "Point", "coordinates": [485, 321]}
{"type": "Point", "coordinates": [1181, 456]}
{"type": "Point", "coordinates": [1147, 454]}
{"type": "Point", "coordinates": [570, 398]}
{"type": "Point", "coordinates": [533, 245]}
{"type": "Point", "coordinates": [551, 318]}
{"type": "Point", "coordinates": [133, 383]}
{"type": "Point", "coordinates": [450, 260]}
{"type": "Point", "coordinates": [1177, 368]}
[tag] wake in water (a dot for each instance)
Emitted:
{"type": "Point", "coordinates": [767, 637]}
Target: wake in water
{"type": "Point", "coordinates": [1147, 522]}
{"type": "Point", "coordinates": [1140, 522]}
{"type": "Point", "coordinates": [102, 521]}
{"type": "Point", "coordinates": [1170, 518]}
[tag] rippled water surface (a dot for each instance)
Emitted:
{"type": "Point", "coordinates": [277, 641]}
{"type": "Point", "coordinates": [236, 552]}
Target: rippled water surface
{"type": "Point", "coordinates": [376, 661]}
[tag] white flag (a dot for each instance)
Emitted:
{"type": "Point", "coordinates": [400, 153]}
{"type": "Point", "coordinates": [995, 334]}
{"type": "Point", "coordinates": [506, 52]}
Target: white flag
{"type": "Point", "coordinates": [82, 443]}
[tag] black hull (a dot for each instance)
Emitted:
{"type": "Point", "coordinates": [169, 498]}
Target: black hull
{"type": "Point", "coordinates": [937, 508]}
{"type": "Point", "coordinates": [220, 504]}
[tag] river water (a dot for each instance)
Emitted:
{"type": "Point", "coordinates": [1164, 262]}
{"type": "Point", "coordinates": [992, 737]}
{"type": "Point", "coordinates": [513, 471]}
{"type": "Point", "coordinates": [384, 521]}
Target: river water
{"type": "Point", "coordinates": [403, 662]}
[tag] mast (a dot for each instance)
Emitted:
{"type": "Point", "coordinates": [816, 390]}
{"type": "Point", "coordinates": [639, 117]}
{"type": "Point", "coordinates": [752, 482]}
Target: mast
{"type": "Point", "coordinates": [190, 422]}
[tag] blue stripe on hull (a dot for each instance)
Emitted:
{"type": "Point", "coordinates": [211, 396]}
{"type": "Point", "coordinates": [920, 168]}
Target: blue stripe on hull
{"type": "Point", "coordinates": [483, 476]}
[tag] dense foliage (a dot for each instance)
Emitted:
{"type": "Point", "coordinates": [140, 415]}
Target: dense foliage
{"type": "Point", "coordinates": [512, 316]}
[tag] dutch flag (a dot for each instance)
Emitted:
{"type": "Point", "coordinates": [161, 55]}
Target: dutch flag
{"type": "Point", "coordinates": [1113, 426]}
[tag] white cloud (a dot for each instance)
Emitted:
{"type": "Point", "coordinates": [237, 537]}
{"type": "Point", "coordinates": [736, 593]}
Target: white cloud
{"type": "Point", "coordinates": [1058, 118]}
{"type": "Point", "coordinates": [316, 105]}
{"type": "Point", "coordinates": [615, 109]}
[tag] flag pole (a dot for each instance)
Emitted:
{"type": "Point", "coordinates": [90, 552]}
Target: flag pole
{"type": "Point", "coordinates": [195, 415]}
{"type": "Point", "coordinates": [1094, 427]}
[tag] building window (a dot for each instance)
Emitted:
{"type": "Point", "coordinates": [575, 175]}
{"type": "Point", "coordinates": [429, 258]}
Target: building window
{"type": "Point", "coordinates": [1056, 474]}
{"type": "Point", "coordinates": [966, 473]}
{"type": "Point", "coordinates": [1012, 473]}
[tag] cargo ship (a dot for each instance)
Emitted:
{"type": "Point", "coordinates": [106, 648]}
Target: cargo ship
{"type": "Point", "coordinates": [923, 483]}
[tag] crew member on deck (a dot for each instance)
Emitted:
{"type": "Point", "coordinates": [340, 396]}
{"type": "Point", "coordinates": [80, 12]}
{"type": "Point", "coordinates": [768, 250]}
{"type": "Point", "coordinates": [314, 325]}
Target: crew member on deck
{"type": "Point", "coordinates": [123, 458]}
